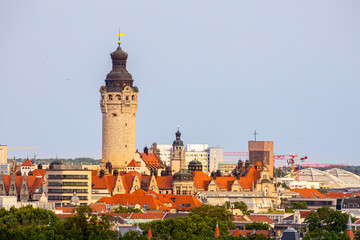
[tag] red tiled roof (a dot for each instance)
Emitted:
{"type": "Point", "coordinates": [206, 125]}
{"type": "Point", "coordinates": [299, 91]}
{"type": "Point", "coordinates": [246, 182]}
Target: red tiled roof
{"type": "Point", "coordinates": [257, 218]}
{"type": "Point", "coordinates": [304, 214]}
{"type": "Point", "coordinates": [240, 219]}
{"type": "Point", "coordinates": [151, 160]}
{"type": "Point", "coordinates": [98, 207]}
{"type": "Point", "coordinates": [27, 163]}
{"type": "Point", "coordinates": [201, 180]}
{"type": "Point", "coordinates": [66, 209]}
{"type": "Point", "coordinates": [164, 182]}
{"type": "Point", "coordinates": [133, 163]}
{"type": "Point", "coordinates": [309, 193]}
{"type": "Point", "coordinates": [337, 195]}
{"type": "Point", "coordinates": [142, 199]}
{"type": "Point", "coordinates": [39, 172]}
{"type": "Point", "coordinates": [184, 202]}
{"type": "Point", "coordinates": [106, 182]}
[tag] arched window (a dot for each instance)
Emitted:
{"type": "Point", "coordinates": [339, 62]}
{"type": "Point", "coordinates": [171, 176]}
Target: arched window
{"type": "Point", "coordinates": [110, 97]}
{"type": "Point", "coordinates": [127, 97]}
{"type": "Point", "coordinates": [118, 97]}
{"type": "Point", "coordinates": [133, 97]}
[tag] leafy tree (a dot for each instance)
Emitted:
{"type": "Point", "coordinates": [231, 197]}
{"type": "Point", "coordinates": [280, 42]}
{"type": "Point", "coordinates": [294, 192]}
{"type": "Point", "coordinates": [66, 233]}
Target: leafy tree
{"type": "Point", "coordinates": [216, 212]}
{"type": "Point", "coordinates": [327, 219]}
{"type": "Point", "coordinates": [240, 205]}
{"type": "Point", "coordinates": [325, 235]}
{"type": "Point", "coordinates": [257, 226]}
{"type": "Point", "coordinates": [133, 235]}
{"type": "Point", "coordinates": [85, 225]}
{"type": "Point", "coordinates": [289, 209]}
{"type": "Point", "coordinates": [121, 209]}
{"type": "Point", "coordinates": [191, 227]}
{"type": "Point", "coordinates": [27, 215]}
{"type": "Point", "coordinates": [299, 205]}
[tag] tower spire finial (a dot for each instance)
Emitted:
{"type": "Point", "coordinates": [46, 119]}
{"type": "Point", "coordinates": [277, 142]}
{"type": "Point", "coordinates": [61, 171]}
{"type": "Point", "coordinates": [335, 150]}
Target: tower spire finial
{"type": "Point", "coordinates": [120, 35]}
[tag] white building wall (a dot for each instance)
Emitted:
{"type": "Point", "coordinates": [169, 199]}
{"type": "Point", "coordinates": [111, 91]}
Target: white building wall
{"type": "Point", "coordinates": [165, 150]}
{"type": "Point", "coordinates": [216, 156]}
{"type": "Point", "coordinates": [197, 147]}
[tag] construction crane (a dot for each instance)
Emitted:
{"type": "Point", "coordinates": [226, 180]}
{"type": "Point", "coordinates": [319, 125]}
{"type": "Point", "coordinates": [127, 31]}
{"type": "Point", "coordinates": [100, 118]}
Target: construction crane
{"type": "Point", "coordinates": [245, 154]}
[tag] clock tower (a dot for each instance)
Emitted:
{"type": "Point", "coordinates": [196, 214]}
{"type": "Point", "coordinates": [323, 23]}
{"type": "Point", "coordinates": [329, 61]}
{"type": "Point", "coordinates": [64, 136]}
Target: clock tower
{"type": "Point", "coordinates": [118, 107]}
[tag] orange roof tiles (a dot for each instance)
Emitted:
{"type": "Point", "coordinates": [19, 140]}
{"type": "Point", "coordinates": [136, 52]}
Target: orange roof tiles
{"type": "Point", "coordinates": [27, 163]}
{"type": "Point", "coordinates": [305, 214]}
{"type": "Point", "coordinates": [98, 207]}
{"type": "Point", "coordinates": [164, 182]}
{"type": "Point", "coordinates": [257, 218]}
{"type": "Point", "coordinates": [240, 219]}
{"type": "Point", "coordinates": [144, 200]}
{"type": "Point", "coordinates": [151, 160]}
{"type": "Point", "coordinates": [309, 193]}
{"type": "Point", "coordinates": [337, 195]}
{"type": "Point", "coordinates": [33, 182]}
{"type": "Point", "coordinates": [185, 202]}
{"type": "Point", "coordinates": [201, 180]}
{"type": "Point", "coordinates": [106, 182]}
{"type": "Point", "coordinates": [133, 163]}
{"type": "Point", "coordinates": [39, 172]}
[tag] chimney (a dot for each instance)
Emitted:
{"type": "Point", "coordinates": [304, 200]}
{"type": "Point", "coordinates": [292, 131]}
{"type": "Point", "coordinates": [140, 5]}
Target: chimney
{"type": "Point", "coordinates": [146, 150]}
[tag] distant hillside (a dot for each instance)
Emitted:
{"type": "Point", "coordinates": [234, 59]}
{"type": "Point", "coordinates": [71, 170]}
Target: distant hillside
{"type": "Point", "coordinates": [46, 161]}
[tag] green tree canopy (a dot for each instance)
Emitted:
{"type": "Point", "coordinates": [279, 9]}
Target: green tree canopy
{"type": "Point", "coordinates": [121, 209]}
{"type": "Point", "coordinates": [299, 205]}
{"type": "Point", "coordinates": [257, 226]}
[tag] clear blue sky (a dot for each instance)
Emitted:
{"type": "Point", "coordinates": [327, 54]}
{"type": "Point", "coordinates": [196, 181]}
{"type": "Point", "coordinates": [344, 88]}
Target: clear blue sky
{"type": "Point", "coordinates": [220, 69]}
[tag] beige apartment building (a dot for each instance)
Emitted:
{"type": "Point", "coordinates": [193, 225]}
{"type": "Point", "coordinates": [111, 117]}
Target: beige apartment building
{"type": "Point", "coordinates": [62, 181]}
{"type": "Point", "coordinates": [3, 154]}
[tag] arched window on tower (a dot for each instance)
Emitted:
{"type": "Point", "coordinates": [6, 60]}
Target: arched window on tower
{"type": "Point", "coordinates": [118, 97]}
{"type": "Point", "coordinates": [110, 97]}
{"type": "Point", "coordinates": [133, 97]}
{"type": "Point", "coordinates": [127, 97]}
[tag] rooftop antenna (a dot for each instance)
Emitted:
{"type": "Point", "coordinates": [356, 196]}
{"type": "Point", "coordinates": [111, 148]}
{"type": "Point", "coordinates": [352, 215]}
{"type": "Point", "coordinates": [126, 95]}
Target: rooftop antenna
{"type": "Point", "coordinates": [255, 133]}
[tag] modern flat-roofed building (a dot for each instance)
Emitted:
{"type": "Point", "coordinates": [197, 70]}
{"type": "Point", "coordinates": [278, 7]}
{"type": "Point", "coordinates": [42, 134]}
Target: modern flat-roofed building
{"type": "Point", "coordinates": [215, 157]}
{"type": "Point", "coordinates": [63, 180]}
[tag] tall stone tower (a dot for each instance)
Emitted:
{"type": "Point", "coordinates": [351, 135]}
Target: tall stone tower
{"type": "Point", "coordinates": [177, 154]}
{"type": "Point", "coordinates": [262, 151]}
{"type": "Point", "coordinates": [118, 106]}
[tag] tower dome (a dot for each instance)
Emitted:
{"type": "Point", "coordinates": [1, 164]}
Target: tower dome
{"type": "Point", "coordinates": [195, 165]}
{"type": "Point", "coordinates": [118, 77]}
{"type": "Point", "coordinates": [74, 200]}
{"type": "Point", "coordinates": [183, 175]}
{"type": "Point", "coordinates": [178, 141]}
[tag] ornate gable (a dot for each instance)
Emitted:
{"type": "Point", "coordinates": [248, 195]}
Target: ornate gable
{"type": "Point", "coordinates": [235, 186]}
{"type": "Point", "coordinates": [135, 184]}
{"type": "Point", "coordinates": [12, 187]}
{"type": "Point", "coordinates": [153, 184]}
{"type": "Point", "coordinates": [119, 186]}
{"type": "Point", "coordinates": [212, 187]}
{"type": "Point", "coordinates": [24, 190]}
{"type": "Point", "coordinates": [2, 185]}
